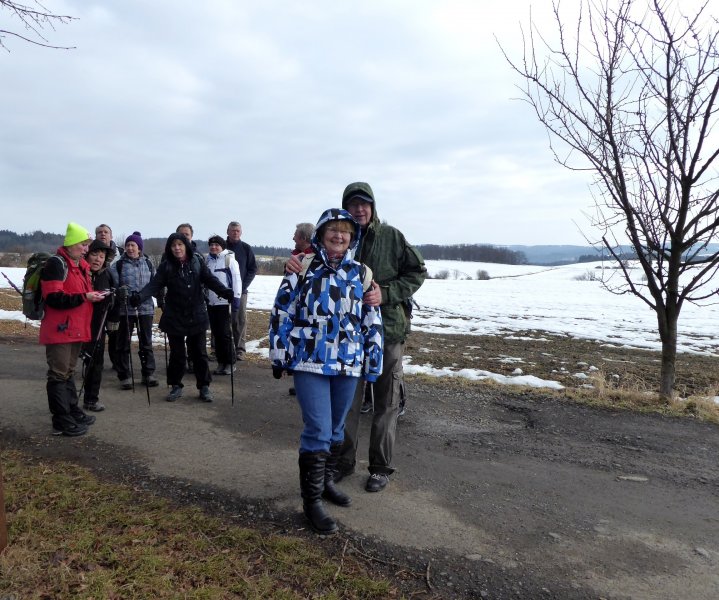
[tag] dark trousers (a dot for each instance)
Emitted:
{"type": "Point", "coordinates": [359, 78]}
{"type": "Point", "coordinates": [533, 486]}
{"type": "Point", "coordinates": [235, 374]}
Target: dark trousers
{"type": "Point", "coordinates": [220, 327]}
{"type": "Point", "coordinates": [384, 419]}
{"type": "Point", "coordinates": [94, 363]}
{"type": "Point", "coordinates": [112, 347]}
{"type": "Point", "coordinates": [197, 347]}
{"type": "Point", "coordinates": [144, 336]}
{"type": "Point", "coordinates": [61, 390]}
{"type": "Point", "coordinates": [239, 325]}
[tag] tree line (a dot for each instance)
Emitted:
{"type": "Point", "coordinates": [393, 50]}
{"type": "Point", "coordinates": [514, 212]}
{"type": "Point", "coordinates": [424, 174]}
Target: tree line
{"type": "Point", "coordinates": [473, 252]}
{"type": "Point", "coordinates": [25, 243]}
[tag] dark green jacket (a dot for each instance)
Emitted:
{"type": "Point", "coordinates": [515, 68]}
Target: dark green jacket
{"type": "Point", "coordinates": [399, 270]}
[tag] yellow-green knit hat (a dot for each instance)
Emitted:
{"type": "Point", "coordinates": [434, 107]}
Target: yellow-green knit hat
{"type": "Point", "coordinates": [75, 234]}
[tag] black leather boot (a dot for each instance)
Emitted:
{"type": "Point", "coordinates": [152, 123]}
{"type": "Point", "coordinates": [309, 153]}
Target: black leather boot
{"type": "Point", "coordinates": [331, 492]}
{"type": "Point", "coordinates": [312, 482]}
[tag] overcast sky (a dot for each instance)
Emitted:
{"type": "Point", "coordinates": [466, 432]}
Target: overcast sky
{"type": "Point", "coordinates": [262, 112]}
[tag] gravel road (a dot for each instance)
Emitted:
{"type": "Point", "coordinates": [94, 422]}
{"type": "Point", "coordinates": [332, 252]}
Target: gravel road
{"type": "Point", "coordinates": [498, 493]}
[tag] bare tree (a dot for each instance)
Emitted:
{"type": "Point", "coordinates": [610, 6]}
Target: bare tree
{"type": "Point", "coordinates": [630, 91]}
{"type": "Point", "coordinates": [33, 18]}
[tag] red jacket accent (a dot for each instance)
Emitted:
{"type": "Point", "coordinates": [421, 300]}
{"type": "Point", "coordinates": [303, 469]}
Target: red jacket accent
{"type": "Point", "coordinates": [69, 325]}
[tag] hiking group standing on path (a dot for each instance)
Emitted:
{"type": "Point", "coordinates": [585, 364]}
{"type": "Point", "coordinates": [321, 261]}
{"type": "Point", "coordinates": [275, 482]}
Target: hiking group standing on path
{"type": "Point", "coordinates": [340, 317]}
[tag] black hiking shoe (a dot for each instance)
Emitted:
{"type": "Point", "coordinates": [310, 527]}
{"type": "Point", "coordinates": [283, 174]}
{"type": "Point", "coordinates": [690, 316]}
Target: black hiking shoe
{"type": "Point", "coordinates": [175, 393]}
{"type": "Point", "coordinates": [205, 393]}
{"type": "Point", "coordinates": [150, 381]}
{"type": "Point", "coordinates": [71, 431]}
{"type": "Point", "coordinates": [376, 482]}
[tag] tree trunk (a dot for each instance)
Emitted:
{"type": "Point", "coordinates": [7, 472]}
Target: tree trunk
{"type": "Point", "coordinates": [3, 521]}
{"type": "Point", "coordinates": [668, 335]}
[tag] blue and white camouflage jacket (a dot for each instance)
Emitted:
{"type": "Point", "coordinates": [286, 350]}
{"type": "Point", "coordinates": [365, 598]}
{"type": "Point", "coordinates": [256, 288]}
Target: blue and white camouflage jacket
{"type": "Point", "coordinates": [319, 323]}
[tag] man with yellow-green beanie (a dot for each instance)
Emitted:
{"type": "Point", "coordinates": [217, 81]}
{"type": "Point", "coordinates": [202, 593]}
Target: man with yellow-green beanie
{"type": "Point", "coordinates": [68, 296]}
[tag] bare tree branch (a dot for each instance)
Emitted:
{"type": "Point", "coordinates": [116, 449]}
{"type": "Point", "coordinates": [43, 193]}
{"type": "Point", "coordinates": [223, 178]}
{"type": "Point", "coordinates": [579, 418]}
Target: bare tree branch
{"type": "Point", "coordinates": [633, 95]}
{"type": "Point", "coordinates": [33, 18]}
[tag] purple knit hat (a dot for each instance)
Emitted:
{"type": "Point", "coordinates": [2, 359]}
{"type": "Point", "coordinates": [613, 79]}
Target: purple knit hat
{"type": "Point", "coordinates": [135, 237]}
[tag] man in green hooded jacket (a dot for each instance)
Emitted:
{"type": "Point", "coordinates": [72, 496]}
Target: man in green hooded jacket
{"type": "Point", "coordinates": [398, 272]}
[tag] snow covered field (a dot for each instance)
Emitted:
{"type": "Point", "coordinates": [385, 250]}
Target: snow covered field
{"type": "Point", "coordinates": [520, 298]}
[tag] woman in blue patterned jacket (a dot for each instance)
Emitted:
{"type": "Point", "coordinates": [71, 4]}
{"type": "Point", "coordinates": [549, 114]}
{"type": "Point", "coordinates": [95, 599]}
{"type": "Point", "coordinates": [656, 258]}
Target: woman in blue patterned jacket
{"type": "Point", "coordinates": [321, 331]}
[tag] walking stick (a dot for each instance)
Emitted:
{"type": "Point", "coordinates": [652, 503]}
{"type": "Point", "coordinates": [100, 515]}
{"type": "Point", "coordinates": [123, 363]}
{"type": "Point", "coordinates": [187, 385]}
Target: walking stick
{"type": "Point", "coordinates": [143, 358]}
{"type": "Point", "coordinates": [98, 337]}
{"type": "Point", "coordinates": [129, 344]}
{"type": "Point", "coordinates": [232, 355]}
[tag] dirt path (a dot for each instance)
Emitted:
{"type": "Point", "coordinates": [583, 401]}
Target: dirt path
{"type": "Point", "coordinates": [504, 495]}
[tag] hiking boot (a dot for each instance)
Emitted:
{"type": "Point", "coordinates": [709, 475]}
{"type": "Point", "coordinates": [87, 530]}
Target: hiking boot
{"type": "Point", "coordinates": [224, 370]}
{"type": "Point", "coordinates": [125, 384]}
{"type": "Point", "coordinates": [93, 406]}
{"type": "Point", "coordinates": [83, 419]}
{"type": "Point", "coordinates": [367, 407]}
{"type": "Point", "coordinates": [71, 430]}
{"type": "Point", "coordinates": [175, 393]}
{"type": "Point", "coordinates": [376, 482]}
{"type": "Point", "coordinates": [205, 393]}
{"type": "Point", "coordinates": [150, 381]}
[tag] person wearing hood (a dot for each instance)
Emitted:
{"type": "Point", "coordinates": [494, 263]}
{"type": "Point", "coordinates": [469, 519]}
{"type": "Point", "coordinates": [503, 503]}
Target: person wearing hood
{"type": "Point", "coordinates": [184, 274]}
{"type": "Point", "coordinates": [99, 256]}
{"type": "Point", "coordinates": [222, 264]}
{"type": "Point", "coordinates": [68, 295]}
{"type": "Point", "coordinates": [322, 332]}
{"type": "Point", "coordinates": [399, 272]}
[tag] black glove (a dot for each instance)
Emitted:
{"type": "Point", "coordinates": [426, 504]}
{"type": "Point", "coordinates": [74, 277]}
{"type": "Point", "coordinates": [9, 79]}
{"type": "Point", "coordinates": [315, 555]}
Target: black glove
{"type": "Point", "coordinates": [277, 372]}
{"type": "Point", "coordinates": [227, 294]}
{"type": "Point", "coordinates": [135, 300]}
{"type": "Point", "coordinates": [121, 294]}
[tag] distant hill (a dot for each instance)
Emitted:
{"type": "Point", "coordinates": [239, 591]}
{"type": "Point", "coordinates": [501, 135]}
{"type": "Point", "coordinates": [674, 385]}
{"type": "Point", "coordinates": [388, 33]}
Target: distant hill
{"type": "Point", "coordinates": [555, 255]}
{"type": "Point", "coordinates": [563, 255]}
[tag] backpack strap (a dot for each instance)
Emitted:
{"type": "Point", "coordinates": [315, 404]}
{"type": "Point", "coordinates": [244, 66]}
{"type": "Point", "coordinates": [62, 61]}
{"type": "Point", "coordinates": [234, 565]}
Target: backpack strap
{"type": "Point", "coordinates": [366, 277]}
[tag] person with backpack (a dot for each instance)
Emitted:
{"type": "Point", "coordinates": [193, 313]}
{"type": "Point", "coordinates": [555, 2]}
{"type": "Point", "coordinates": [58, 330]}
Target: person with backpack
{"type": "Point", "coordinates": [134, 271]}
{"type": "Point", "coordinates": [68, 299]}
{"type": "Point", "coordinates": [183, 274]}
{"type": "Point", "coordinates": [322, 331]}
{"type": "Point", "coordinates": [99, 256]}
{"type": "Point", "coordinates": [222, 264]}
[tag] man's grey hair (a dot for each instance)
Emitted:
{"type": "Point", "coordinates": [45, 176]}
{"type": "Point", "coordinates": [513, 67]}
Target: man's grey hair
{"type": "Point", "coordinates": [305, 230]}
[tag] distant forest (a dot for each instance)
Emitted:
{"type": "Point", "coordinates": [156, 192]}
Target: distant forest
{"type": "Point", "coordinates": [474, 253]}
{"type": "Point", "coordinates": [36, 241]}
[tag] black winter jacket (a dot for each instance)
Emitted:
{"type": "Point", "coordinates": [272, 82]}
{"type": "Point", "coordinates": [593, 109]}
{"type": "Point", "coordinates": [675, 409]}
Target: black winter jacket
{"type": "Point", "coordinates": [185, 312]}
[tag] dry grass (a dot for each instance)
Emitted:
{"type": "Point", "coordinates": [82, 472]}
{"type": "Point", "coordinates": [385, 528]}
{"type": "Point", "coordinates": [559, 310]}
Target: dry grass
{"type": "Point", "coordinates": [73, 536]}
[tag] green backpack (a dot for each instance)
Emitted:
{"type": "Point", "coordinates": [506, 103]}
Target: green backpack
{"type": "Point", "coordinates": [33, 306]}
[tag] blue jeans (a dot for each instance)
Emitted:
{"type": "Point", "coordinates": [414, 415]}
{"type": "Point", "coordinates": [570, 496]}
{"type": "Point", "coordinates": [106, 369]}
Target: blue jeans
{"type": "Point", "coordinates": [324, 401]}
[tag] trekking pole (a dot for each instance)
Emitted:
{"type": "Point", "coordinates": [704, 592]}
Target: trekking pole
{"type": "Point", "coordinates": [232, 355]}
{"type": "Point", "coordinates": [141, 354]}
{"type": "Point", "coordinates": [100, 332]}
{"type": "Point", "coordinates": [129, 344]}
{"type": "Point", "coordinates": [16, 288]}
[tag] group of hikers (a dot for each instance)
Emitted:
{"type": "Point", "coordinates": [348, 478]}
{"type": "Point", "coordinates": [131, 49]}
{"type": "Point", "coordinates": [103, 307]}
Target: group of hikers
{"type": "Point", "coordinates": [340, 316]}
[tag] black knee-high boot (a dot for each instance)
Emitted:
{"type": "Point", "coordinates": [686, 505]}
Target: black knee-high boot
{"type": "Point", "coordinates": [331, 492]}
{"type": "Point", "coordinates": [312, 482]}
{"type": "Point", "coordinates": [60, 404]}
{"type": "Point", "coordinates": [75, 409]}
